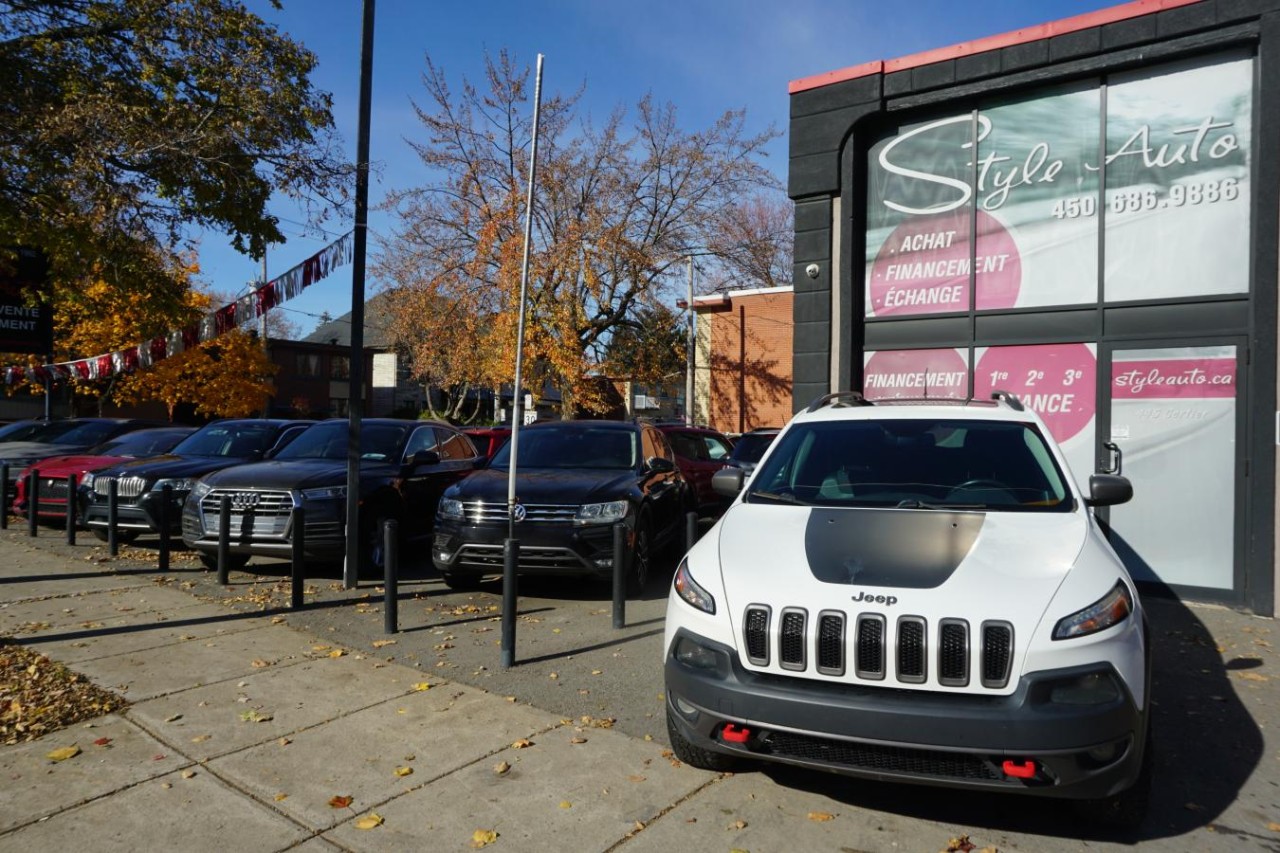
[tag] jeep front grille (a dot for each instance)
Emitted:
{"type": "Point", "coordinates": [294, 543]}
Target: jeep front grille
{"type": "Point", "coordinates": [885, 759]}
{"type": "Point", "coordinates": [900, 652]}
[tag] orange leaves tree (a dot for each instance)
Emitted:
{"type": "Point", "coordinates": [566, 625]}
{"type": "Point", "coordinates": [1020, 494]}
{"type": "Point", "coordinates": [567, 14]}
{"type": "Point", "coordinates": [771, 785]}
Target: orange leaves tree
{"type": "Point", "coordinates": [617, 207]}
{"type": "Point", "coordinates": [229, 376]}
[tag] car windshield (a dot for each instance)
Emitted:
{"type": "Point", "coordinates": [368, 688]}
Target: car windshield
{"type": "Point", "coordinates": [378, 442]}
{"type": "Point", "coordinates": [146, 442]}
{"type": "Point", "coordinates": [591, 447]}
{"type": "Point", "coordinates": [87, 433]}
{"type": "Point", "coordinates": [750, 447]}
{"type": "Point", "coordinates": [241, 440]}
{"type": "Point", "coordinates": [35, 430]}
{"type": "Point", "coordinates": [914, 463]}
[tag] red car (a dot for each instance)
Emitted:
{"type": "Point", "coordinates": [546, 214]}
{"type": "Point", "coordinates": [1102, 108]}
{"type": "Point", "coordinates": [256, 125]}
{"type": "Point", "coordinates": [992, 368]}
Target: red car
{"type": "Point", "coordinates": [700, 452]}
{"type": "Point", "coordinates": [488, 439]}
{"type": "Point", "coordinates": [55, 470]}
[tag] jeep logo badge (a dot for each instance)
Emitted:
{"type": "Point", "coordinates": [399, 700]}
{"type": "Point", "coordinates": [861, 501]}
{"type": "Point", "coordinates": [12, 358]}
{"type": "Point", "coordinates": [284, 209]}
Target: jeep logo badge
{"type": "Point", "coordinates": [886, 600]}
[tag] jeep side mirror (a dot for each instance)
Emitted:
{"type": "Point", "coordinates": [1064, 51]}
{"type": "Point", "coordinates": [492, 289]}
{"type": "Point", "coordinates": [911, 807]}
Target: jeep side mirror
{"type": "Point", "coordinates": [1108, 490]}
{"type": "Point", "coordinates": [727, 482]}
{"type": "Point", "coordinates": [424, 457]}
{"type": "Point", "coordinates": [658, 465]}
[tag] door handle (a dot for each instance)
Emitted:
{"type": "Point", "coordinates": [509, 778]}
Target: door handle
{"type": "Point", "coordinates": [1117, 458]}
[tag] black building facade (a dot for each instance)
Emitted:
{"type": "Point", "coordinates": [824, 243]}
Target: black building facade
{"type": "Point", "coordinates": [1083, 213]}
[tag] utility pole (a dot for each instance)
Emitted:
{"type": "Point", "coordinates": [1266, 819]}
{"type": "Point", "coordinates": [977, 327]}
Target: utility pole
{"type": "Point", "coordinates": [688, 367]}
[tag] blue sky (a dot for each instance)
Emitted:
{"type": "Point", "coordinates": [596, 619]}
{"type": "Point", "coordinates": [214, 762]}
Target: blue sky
{"type": "Point", "coordinates": [704, 56]}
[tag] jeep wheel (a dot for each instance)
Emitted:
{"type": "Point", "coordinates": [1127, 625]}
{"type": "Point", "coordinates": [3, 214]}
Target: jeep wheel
{"type": "Point", "coordinates": [1127, 809]}
{"type": "Point", "coordinates": [694, 756]}
{"type": "Point", "coordinates": [641, 559]}
{"type": "Point", "coordinates": [123, 537]}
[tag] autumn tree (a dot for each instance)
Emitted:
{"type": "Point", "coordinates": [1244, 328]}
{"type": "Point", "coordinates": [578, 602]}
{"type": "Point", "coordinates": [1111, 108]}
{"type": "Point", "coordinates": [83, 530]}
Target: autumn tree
{"type": "Point", "coordinates": [229, 376]}
{"type": "Point", "coordinates": [617, 207]}
{"type": "Point", "coordinates": [126, 123]}
{"type": "Point", "coordinates": [753, 243]}
{"type": "Point", "coordinates": [650, 348]}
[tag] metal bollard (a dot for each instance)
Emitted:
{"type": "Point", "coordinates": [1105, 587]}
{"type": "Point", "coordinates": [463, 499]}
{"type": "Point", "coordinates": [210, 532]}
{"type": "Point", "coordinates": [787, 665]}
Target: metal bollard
{"type": "Point", "coordinates": [71, 509]}
{"type": "Point", "coordinates": [690, 530]}
{"type": "Point", "coordinates": [4, 495]}
{"type": "Point", "coordinates": [620, 575]}
{"type": "Point", "coordinates": [391, 572]}
{"type": "Point", "coordinates": [224, 539]}
{"type": "Point", "coordinates": [298, 524]}
{"type": "Point", "coordinates": [510, 559]}
{"type": "Point", "coordinates": [166, 507]}
{"type": "Point", "coordinates": [113, 515]}
{"type": "Point", "coordinates": [33, 501]}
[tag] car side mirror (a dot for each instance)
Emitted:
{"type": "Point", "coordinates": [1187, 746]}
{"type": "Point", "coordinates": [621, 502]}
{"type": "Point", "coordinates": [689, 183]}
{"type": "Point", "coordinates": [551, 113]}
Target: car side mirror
{"type": "Point", "coordinates": [424, 457]}
{"type": "Point", "coordinates": [1108, 490]}
{"type": "Point", "coordinates": [727, 482]}
{"type": "Point", "coordinates": [659, 465]}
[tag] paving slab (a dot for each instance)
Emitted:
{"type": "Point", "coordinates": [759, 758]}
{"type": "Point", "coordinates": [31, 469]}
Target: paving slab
{"type": "Point", "coordinates": [166, 813]}
{"type": "Point", "coordinates": [557, 796]}
{"type": "Point", "coordinates": [34, 787]}
{"type": "Point", "coordinates": [155, 672]}
{"type": "Point", "coordinates": [433, 732]}
{"type": "Point", "coordinates": [207, 722]}
{"type": "Point", "coordinates": [81, 611]}
{"type": "Point", "coordinates": [41, 580]}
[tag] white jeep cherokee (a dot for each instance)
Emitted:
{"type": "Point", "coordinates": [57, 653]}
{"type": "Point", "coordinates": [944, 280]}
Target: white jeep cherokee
{"type": "Point", "coordinates": [916, 591]}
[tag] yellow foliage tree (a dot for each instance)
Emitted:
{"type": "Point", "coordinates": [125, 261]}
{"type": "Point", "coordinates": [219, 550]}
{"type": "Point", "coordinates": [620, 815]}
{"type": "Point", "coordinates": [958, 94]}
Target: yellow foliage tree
{"type": "Point", "coordinates": [229, 376]}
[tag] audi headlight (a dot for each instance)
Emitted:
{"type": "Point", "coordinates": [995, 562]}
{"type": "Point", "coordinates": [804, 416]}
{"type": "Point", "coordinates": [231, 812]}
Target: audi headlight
{"type": "Point", "coordinates": [1112, 609]}
{"type": "Point", "coordinates": [178, 484]}
{"type": "Point", "coordinates": [605, 513]}
{"type": "Point", "coordinates": [199, 490]}
{"type": "Point", "coordinates": [687, 588]}
{"type": "Point", "coordinates": [451, 508]}
{"type": "Point", "coordinates": [327, 493]}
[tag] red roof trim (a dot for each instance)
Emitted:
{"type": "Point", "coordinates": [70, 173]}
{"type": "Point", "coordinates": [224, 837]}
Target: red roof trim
{"type": "Point", "coordinates": [1123, 12]}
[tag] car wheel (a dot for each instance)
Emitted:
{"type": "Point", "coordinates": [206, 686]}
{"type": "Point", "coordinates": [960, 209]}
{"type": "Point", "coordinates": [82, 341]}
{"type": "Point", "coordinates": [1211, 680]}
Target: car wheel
{"type": "Point", "coordinates": [695, 756]}
{"type": "Point", "coordinates": [641, 558]}
{"type": "Point", "coordinates": [235, 562]}
{"type": "Point", "coordinates": [1127, 809]}
{"type": "Point", "coordinates": [123, 537]}
{"type": "Point", "coordinates": [461, 583]}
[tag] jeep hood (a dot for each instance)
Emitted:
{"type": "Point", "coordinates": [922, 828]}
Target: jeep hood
{"type": "Point", "coordinates": [921, 562]}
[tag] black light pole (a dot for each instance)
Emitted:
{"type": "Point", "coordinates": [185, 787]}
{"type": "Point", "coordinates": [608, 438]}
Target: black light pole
{"type": "Point", "coordinates": [355, 402]}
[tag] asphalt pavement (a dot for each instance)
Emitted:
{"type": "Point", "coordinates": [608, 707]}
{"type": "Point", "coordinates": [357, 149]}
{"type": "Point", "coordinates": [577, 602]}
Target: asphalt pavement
{"type": "Point", "coordinates": [255, 727]}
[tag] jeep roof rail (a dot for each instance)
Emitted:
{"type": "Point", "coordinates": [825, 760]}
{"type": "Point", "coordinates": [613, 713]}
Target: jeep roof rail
{"type": "Point", "coordinates": [1009, 399]}
{"type": "Point", "coordinates": [838, 398]}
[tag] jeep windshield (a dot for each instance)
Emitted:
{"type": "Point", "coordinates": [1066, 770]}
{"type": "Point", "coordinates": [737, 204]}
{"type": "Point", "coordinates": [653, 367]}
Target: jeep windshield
{"type": "Point", "coordinates": [572, 447]}
{"type": "Point", "coordinates": [914, 464]}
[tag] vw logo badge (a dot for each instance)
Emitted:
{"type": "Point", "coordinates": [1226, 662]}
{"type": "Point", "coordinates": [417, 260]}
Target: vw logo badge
{"type": "Point", "coordinates": [518, 513]}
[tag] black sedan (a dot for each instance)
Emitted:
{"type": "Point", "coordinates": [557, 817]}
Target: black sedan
{"type": "Point", "coordinates": [140, 482]}
{"type": "Point", "coordinates": [575, 480]}
{"type": "Point", "coordinates": [404, 468]}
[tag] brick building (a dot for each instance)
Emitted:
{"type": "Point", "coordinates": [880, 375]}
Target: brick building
{"type": "Point", "coordinates": [742, 375]}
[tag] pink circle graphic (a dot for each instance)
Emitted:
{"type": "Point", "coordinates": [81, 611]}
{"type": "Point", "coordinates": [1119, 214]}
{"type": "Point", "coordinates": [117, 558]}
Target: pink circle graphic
{"type": "Point", "coordinates": [932, 373]}
{"type": "Point", "coordinates": [924, 266]}
{"type": "Point", "coordinates": [1056, 381]}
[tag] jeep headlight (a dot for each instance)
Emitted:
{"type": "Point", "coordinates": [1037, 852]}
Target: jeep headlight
{"type": "Point", "coordinates": [324, 493]}
{"type": "Point", "coordinates": [1112, 609]}
{"type": "Point", "coordinates": [687, 588]}
{"type": "Point", "coordinates": [178, 484]}
{"type": "Point", "coordinates": [451, 508]}
{"type": "Point", "coordinates": [199, 489]}
{"type": "Point", "coordinates": [605, 513]}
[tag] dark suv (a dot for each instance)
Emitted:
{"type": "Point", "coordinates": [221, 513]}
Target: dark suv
{"type": "Point", "coordinates": [405, 466]}
{"type": "Point", "coordinates": [700, 452]}
{"type": "Point", "coordinates": [750, 447]}
{"type": "Point", "coordinates": [574, 481]}
{"type": "Point", "coordinates": [139, 482]}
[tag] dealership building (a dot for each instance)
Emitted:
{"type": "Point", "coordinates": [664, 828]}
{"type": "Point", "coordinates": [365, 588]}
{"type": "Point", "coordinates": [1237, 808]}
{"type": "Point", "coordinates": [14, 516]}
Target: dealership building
{"type": "Point", "coordinates": [1083, 213]}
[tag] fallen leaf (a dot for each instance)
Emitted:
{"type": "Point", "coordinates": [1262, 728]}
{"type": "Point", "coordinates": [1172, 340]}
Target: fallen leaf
{"type": "Point", "coordinates": [565, 804]}
{"type": "Point", "coordinates": [421, 685]}
{"type": "Point", "coordinates": [1252, 676]}
{"type": "Point", "coordinates": [483, 838]}
{"type": "Point", "coordinates": [284, 741]}
{"type": "Point", "coordinates": [320, 648]}
{"type": "Point", "coordinates": [371, 820]}
{"type": "Point", "coordinates": [404, 771]}
{"type": "Point", "coordinates": [637, 778]}
{"type": "Point", "coordinates": [577, 740]}
{"type": "Point", "coordinates": [102, 741]}
{"type": "Point", "coordinates": [187, 774]}
{"type": "Point", "coordinates": [340, 801]}
{"type": "Point", "coordinates": [63, 753]}
{"type": "Point", "coordinates": [501, 768]}
{"type": "Point", "coordinates": [252, 716]}
{"type": "Point", "coordinates": [553, 676]}
{"type": "Point", "coordinates": [200, 738]}
{"type": "Point", "coordinates": [737, 824]}
{"type": "Point", "coordinates": [523, 743]}
{"type": "Point", "coordinates": [821, 817]}
{"type": "Point", "coordinates": [597, 672]}
{"type": "Point", "coordinates": [280, 797]}
{"type": "Point", "coordinates": [337, 653]}
{"type": "Point", "coordinates": [259, 663]}
{"type": "Point", "coordinates": [173, 718]}
{"type": "Point", "coordinates": [166, 785]}
{"type": "Point", "coordinates": [377, 644]}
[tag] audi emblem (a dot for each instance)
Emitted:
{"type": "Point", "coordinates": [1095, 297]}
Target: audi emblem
{"type": "Point", "coordinates": [244, 500]}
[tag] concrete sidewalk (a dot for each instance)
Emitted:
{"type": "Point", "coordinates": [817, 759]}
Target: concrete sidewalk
{"type": "Point", "coordinates": [242, 732]}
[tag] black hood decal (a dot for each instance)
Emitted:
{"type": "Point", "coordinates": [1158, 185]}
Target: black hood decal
{"type": "Point", "coordinates": [917, 549]}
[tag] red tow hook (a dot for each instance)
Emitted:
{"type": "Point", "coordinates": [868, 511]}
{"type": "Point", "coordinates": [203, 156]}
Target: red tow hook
{"type": "Point", "coordinates": [732, 734]}
{"type": "Point", "coordinates": [1019, 769]}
